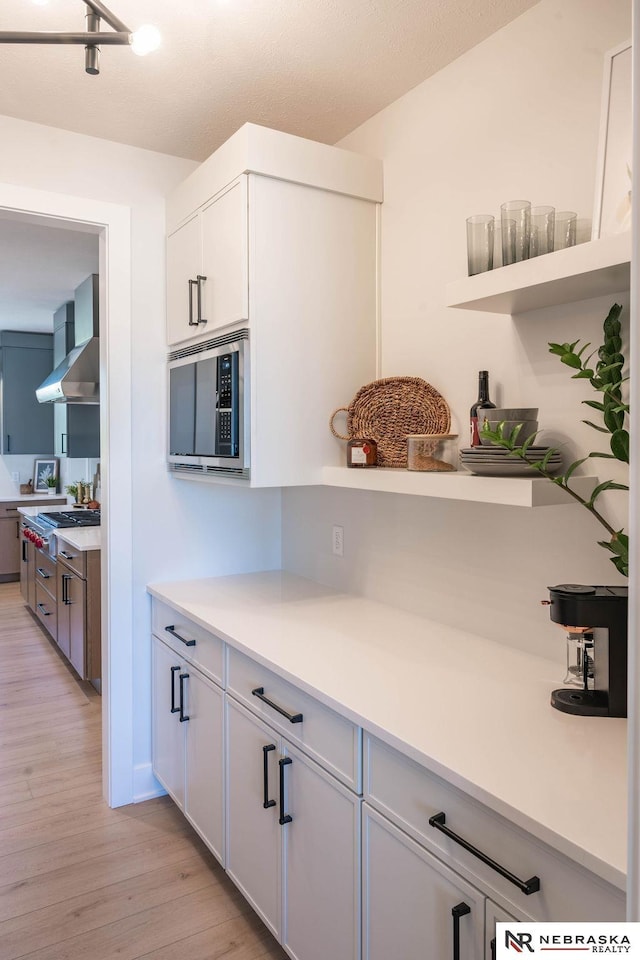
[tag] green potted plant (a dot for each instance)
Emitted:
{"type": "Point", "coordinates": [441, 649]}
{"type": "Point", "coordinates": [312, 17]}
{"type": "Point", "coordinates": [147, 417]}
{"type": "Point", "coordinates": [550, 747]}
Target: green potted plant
{"type": "Point", "coordinates": [52, 485]}
{"type": "Point", "coordinates": [606, 378]}
{"type": "Point", "coordinates": [72, 490]}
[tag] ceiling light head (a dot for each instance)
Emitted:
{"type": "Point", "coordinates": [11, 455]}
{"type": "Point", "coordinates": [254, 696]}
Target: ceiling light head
{"type": "Point", "coordinates": [145, 40]}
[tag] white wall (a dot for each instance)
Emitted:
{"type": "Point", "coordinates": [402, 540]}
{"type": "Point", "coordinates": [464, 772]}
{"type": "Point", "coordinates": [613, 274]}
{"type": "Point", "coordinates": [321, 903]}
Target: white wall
{"type": "Point", "coordinates": [180, 529]}
{"type": "Point", "coordinates": [516, 117]}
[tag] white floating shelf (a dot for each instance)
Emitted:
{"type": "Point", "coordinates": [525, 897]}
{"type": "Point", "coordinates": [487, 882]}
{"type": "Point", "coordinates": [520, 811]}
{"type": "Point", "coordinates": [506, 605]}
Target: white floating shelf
{"type": "Point", "coordinates": [592, 269]}
{"type": "Point", "coordinates": [509, 491]}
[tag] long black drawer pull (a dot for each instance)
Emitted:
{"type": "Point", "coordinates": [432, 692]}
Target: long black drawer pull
{"type": "Point", "coordinates": [527, 886]}
{"type": "Point", "coordinates": [266, 750]}
{"type": "Point", "coordinates": [291, 717]}
{"type": "Point", "coordinates": [172, 630]}
{"type": "Point", "coordinates": [460, 910]}
{"type": "Point", "coordinates": [67, 556]}
{"type": "Point", "coordinates": [493, 949]}
{"type": "Point", "coordinates": [43, 573]}
{"type": "Point", "coordinates": [284, 817]}
{"type": "Point", "coordinates": [47, 613]}
{"type": "Point", "coordinates": [182, 678]}
{"type": "Point", "coordinates": [174, 709]}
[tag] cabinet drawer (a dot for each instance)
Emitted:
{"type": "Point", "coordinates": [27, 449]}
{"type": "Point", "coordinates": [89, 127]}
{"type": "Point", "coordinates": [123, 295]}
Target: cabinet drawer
{"type": "Point", "coordinates": [409, 795]}
{"type": "Point", "coordinates": [75, 559]}
{"type": "Point", "coordinates": [8, 510]}
{"type": "Point", "coordinates": [189, 640]}
{"type": "Point", "coordinates": [327, 737]}
{"type": "Point", "coordinates": [44, 571]}
{"type": "Point", "coordinates": [46, 610]}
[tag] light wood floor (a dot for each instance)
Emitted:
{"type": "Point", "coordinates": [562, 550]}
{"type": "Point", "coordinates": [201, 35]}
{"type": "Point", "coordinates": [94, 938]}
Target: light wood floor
{"type": "Point", "coordinates": [79, 881]}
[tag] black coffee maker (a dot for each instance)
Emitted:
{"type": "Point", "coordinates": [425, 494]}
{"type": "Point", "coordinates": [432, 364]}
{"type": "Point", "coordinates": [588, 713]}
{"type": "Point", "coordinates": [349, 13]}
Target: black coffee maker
{"type": "Point", "coordinates": [595, 619]}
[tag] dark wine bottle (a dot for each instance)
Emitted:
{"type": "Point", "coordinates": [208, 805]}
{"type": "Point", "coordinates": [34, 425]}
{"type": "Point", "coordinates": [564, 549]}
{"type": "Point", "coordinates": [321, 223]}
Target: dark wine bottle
{"type": "Point", "coordinates": [482, 403]}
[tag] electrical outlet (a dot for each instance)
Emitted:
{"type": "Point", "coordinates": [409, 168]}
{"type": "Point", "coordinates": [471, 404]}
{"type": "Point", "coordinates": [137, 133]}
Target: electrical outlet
{"type": "Point", "coordinates": [338, 541]}
{"type": "Point", "coordinates": [15, 476]}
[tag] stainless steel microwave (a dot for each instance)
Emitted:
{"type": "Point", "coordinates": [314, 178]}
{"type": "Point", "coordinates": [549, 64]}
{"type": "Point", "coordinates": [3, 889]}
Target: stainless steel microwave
{"type": "Point", "coordinates": [209, 407]}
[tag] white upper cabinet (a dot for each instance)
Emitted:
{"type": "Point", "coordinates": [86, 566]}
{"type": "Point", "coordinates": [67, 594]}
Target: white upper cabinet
{"type": "Point", "coordinates": [278, 236]}
{"type": "Point", "coordinates": [207, 267]}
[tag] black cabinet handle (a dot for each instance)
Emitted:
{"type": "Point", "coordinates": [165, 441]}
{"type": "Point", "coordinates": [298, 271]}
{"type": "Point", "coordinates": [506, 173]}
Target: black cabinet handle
{"type": "Point", "coordinates": [291, 717]}
{"type": "Point", "coordinates": [25, 558]}
{"type": "Point", "coordinates": [460, 910]}
{"type": "Point", "coordinates": [172, 631]}
{"type": "Point", "coordinates": [182, 678]}
{"type": "Point", "coordinates": [192, 322]}
{"type": "Point", "coordinates": [266, 750]}
{"type": "Point", "coordinates": [67, 556]}
{"type": "Point", "coordinates": [284, 817]}
{"type": "Point", "coordinates": [527, 886]}
{"type": "Point", "coordinates": [45, 612]}
{"type": "Point", "coordinates": [43, 573]}
{"type": "Point", "coordinates": [66, 579]}
{"type": "Point", "coordinates": [8, 442]}
{"type": "Point", "coordinates": [17, 529]}
{"type": "Point", "coordinates": [199, 281]}
{"type": "Point", "coordinates": [493, 949]}
{"type": "Point", "coordinates": [62, 446]}
{"type": "Point", "coordinates": [174, 709]}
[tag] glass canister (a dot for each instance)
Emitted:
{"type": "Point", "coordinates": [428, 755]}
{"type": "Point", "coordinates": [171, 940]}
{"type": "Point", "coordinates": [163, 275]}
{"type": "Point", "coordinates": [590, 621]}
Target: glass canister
{"type": "Point", "coordinates": [580, 658]}
{"type": "Point", "coordinates": [362, 453]}
{"type": "Point", "coordinates": [432, 452]}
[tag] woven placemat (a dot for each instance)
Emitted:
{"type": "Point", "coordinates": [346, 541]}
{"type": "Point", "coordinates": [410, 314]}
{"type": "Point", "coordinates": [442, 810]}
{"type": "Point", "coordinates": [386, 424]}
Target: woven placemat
{"type": "Point", "coordinates": [388, 410]}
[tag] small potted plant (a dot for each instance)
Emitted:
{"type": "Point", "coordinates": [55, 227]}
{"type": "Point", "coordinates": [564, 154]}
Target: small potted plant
{"type": "Point", "coordinates": [52, 485]}
{"type": "Point", "coordinates": [72, 490]}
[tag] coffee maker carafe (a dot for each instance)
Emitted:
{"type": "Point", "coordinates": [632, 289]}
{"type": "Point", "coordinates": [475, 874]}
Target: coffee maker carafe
{"type": "Point", "coordinates": [595, 619]}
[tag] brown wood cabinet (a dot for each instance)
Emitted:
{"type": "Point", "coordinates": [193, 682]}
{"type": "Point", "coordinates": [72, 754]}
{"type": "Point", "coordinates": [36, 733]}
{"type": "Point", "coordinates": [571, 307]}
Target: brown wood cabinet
{"type": "Point", "coordinates": [9, 547]}
{"type": "Point", "coordinates": [78, 593]}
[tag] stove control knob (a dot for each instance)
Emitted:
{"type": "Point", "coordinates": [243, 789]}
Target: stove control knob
{"type": "Point", "coordinates": [29, 535]}
{"type": "Point", "coordinates": [39, 542]}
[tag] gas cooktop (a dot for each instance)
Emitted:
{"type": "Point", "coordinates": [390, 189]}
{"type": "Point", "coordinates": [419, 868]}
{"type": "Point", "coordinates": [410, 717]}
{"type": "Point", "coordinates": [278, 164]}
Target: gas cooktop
{"type": "Point", "coordinates": [71, 518]}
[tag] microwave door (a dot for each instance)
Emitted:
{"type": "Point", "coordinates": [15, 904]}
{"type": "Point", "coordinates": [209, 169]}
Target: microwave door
{"type": "Point", "coordinates": [182, 410]}
{"type": "Point", "coordinates": [205, 409]}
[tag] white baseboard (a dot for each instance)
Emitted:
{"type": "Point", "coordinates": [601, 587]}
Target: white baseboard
{"type": "Point", "coordinates": [145, 785]}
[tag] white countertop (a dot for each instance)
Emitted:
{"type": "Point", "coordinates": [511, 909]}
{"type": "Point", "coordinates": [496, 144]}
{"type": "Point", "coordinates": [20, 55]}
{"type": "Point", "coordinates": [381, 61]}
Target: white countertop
{"type": "Point", "coordinates": [471, 710]}
{"type": "Point", "coordinates": [30, 497]}
{"type": "Point", "coordinates": [82, 538]}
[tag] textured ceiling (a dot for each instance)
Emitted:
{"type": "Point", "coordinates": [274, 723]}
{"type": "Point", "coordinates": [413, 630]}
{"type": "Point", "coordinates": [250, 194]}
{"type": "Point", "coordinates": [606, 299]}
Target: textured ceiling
{"type": "Point", "coordinates": [316, 68]}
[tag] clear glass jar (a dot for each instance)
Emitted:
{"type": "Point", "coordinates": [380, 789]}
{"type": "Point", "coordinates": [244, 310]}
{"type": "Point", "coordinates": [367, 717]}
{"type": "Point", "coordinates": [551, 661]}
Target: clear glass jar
{"type": "Point", "coordinates": [580, 659]}
{"type": "Point", "coordinates": [432, 452]}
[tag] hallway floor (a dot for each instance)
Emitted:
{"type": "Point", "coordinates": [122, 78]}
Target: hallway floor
{"type": "Point", "coordinates": [79, 881]}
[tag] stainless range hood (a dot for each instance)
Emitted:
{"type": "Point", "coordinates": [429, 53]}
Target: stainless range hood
{"type": "Point", "coordinates": [76, 379]}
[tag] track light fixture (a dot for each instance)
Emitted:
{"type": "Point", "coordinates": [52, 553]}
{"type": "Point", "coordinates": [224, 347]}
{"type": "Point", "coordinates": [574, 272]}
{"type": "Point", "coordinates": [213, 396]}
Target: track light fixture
{"type": "Point", "coordinates": [143, 41]}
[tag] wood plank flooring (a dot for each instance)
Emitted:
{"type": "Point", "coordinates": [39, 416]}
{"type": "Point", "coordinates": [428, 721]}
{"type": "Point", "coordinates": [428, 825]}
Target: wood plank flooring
{"type": "Point", "coordinates": [79, 881]}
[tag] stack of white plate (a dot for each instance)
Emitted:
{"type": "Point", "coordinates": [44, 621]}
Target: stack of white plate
{"type": "Point", "coordinates": [498, 462]}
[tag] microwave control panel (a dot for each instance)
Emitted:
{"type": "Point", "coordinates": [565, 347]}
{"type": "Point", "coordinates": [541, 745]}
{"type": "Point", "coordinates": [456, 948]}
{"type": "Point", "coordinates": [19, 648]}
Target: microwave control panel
{"type": "Point", "coordinates": [227, 412]}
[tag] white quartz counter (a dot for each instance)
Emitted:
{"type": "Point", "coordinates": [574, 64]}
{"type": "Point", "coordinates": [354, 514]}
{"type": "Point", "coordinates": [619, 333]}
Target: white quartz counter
{"type": "Point", "coordinates": [471, 710]}
{"type": "Point", "coordinates": [82, 538]}
{"type": "Point", "coordinates": [29, 511]}
{"type": "Point", "coordinates": [60, 498]}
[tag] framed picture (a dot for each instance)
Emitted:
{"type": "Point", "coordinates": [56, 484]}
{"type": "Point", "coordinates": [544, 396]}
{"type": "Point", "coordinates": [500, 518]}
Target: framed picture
{"type": "Point", "coordinates": [612, 206]}
{"type": "Point", "coordinates": [42, 470]}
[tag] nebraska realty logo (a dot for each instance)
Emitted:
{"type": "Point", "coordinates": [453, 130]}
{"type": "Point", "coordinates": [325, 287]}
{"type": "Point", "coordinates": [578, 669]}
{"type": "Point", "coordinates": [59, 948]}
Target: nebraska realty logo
{"type": "Point", "coordinates": [560, 939]}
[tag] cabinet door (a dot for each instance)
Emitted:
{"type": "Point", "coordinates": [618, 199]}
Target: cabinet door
{"type": "Point", "coordinates": [204, 793]}
{"type": "Point", "coordinates": [321, 874]}
{"type": "Point", "coordinates": [494, 914]}
{"type": "Point", "coordinates": [83, 430]}
{"type": "Point", "coordinates": [225, 258]}
{"type": "Point", "coordinates": [9, 548]}
{"type": "Point", "coordinates": [27, 426]}
{"type": "Point", "coordinates": [60, 438]}
{"type": "Point", "coordinates": [184, 263]}
{"type": "Point", "coordinates": [253, 832]}
{"type": "Point", "coordinates": [408, 897]}
{"type": "Point", "coordinates": [168, 733]}
{"type": "Point", "coordinates": [76, 604]}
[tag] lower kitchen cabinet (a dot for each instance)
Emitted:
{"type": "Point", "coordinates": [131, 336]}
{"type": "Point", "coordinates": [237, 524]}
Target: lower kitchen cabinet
{"type": "Point", "coordinates": [188, 742]}
{"type": "Point", "coordinates": [414, 906]}
{"type": "Point", "coordinates": [9, 548]}
{"type": "Point", "coordinates": [293, 841]}
{"type": "Point", "coordinates": [78, 598]}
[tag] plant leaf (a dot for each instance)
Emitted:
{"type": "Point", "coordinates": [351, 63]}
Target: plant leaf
{"type": "Point", "coordinates": [574, 466]}
{"type": "Point", "coordinates": [606, 485]}
{"type": "Point", "coordinates": [596, 404]}
{"type": "Point", "coordinates": [595, 426]}
{"type": "Point", "coordinates": [571, 360]}
{"type": "Point", "coordinates": [620, 445]}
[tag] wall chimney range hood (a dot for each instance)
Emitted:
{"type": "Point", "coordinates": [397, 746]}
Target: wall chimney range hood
{"type": "Point", "coordinates": [76, 379]}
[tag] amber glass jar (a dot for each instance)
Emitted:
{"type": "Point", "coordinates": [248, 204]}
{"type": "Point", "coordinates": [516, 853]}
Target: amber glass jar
{"type": "Point", "coordinates": [362, 453]}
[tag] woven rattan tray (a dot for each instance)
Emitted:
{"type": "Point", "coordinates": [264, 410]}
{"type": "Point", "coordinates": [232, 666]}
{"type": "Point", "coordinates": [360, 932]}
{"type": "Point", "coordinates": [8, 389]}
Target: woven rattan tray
{"type": "Point", "coordinates": [388, 410]}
